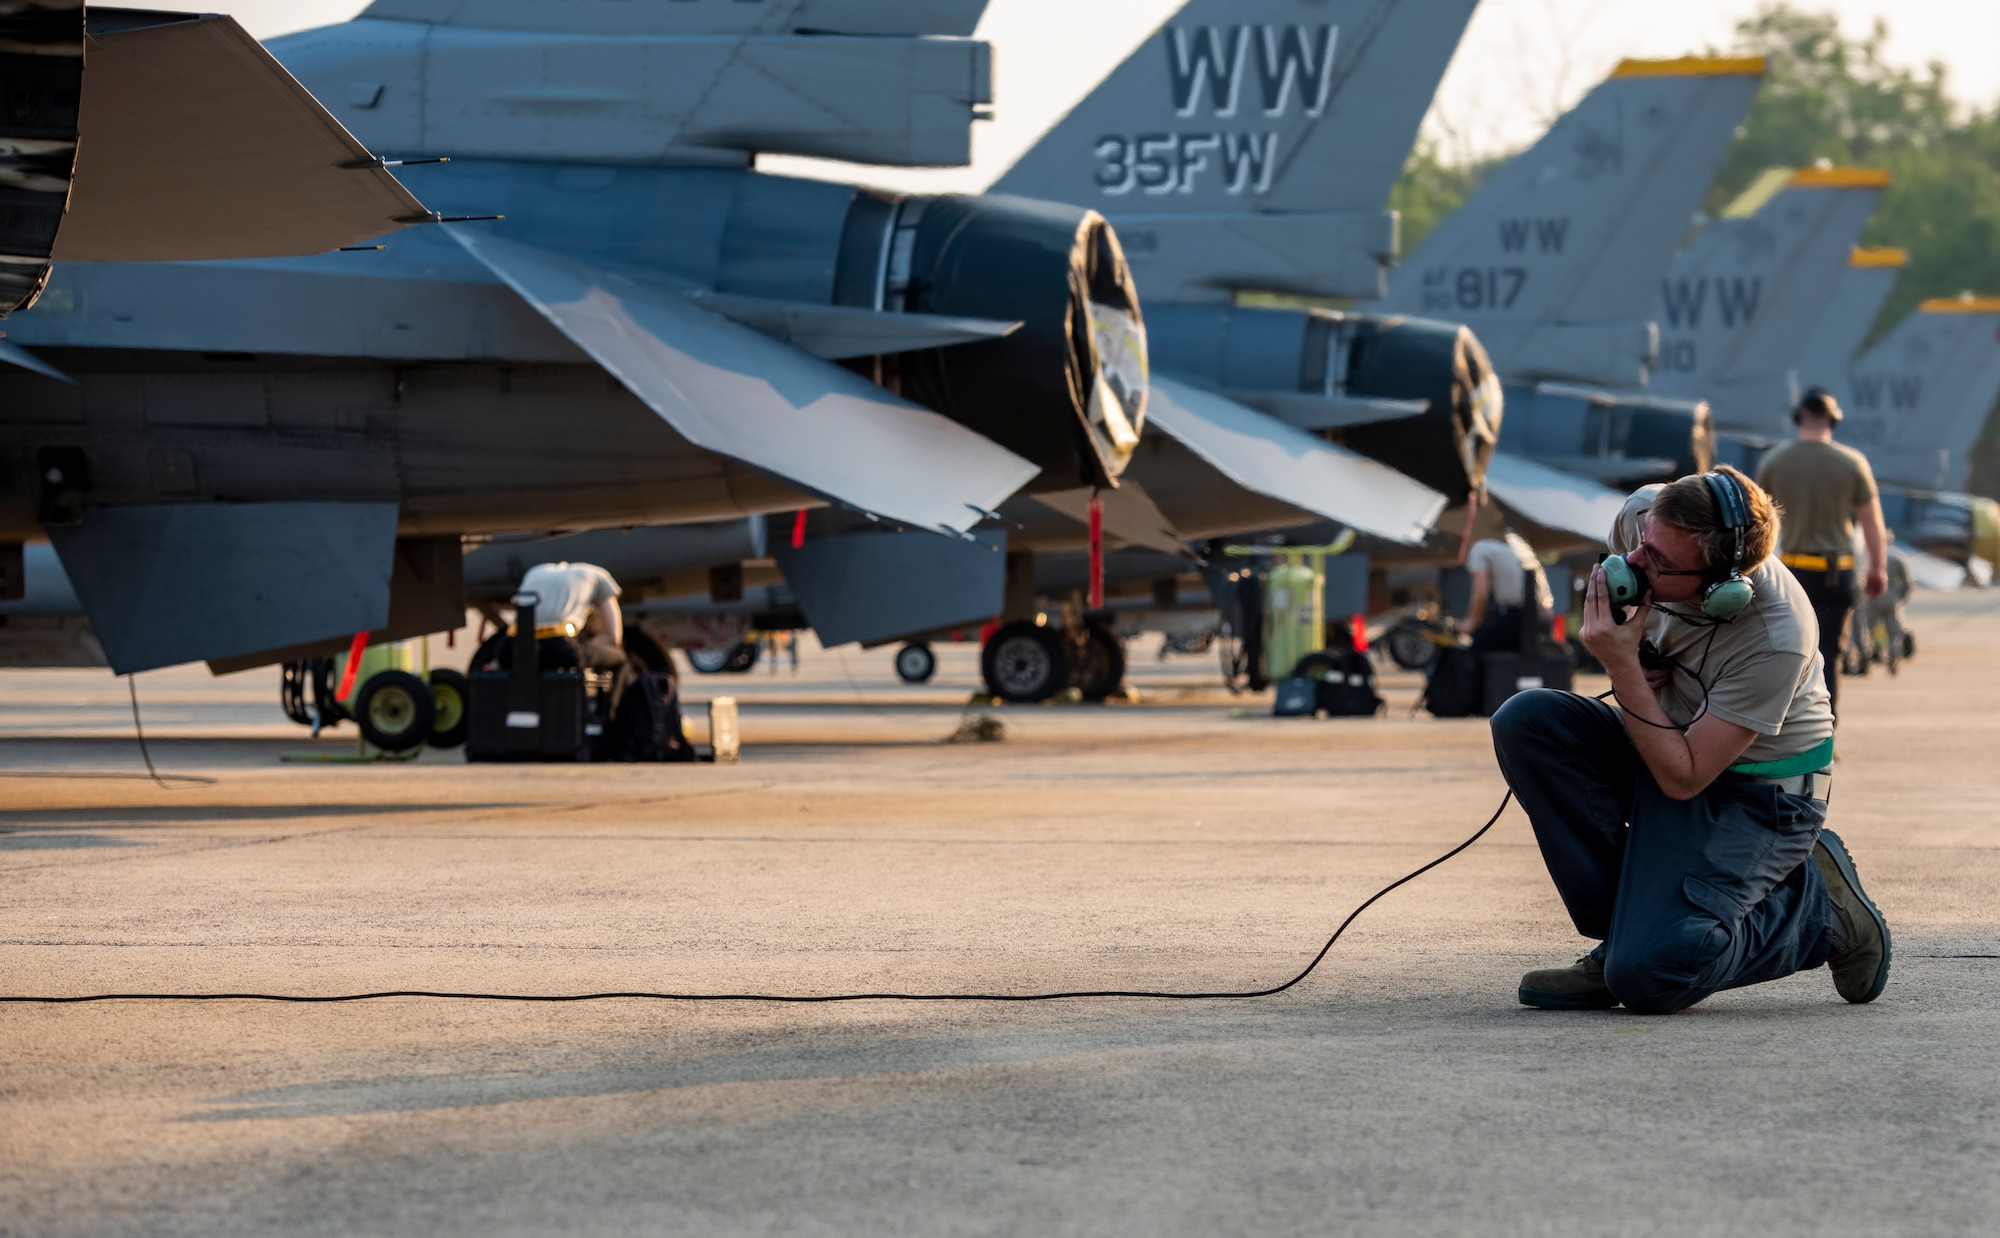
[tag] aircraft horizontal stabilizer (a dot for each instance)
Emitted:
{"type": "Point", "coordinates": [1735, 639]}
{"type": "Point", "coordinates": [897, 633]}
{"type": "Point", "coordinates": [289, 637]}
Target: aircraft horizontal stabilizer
{"type": "Point", "coordinates": [1310, 411]}
{"type": "Point", "coordinates": [189, 582]}
{"type": "Point", "coordinates": [1553, 499]}
{"type": "Point", "coordinates": [741, 394]}
{"type": "Point", "coordinates": [836, 332]}
{"type": "Point", "coordinates": [196, 144]}
{"type": "Point", "coordinates": [1130, 515]}
{"type": "Point", "coordinates": [14, 354]}
{"type": "Point", "coordinates": [1285, 463]}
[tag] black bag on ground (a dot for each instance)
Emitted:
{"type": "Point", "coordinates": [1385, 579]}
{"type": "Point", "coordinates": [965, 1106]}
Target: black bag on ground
{"type": "Point", "coordinates": [1297, 697]}
{"type": "Point", "coordinates": [1456, 684]}
{"type": "Point", "coordinates": [1347, 689]}
{"type": "Point", "coordinates": [648, 725]}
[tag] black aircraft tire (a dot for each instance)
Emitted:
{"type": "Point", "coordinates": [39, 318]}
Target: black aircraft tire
{"type": "Point", "coordinates": [647, 654]}
{"type": "Point", "coordinates": [1023, 662]}
{"type": "Point", "coordinates": [451, 693]}
{"type": "Point", "coordinates": [1409, 648]}
{"type": "Point", "coordinates": [915, 663]}
{"type": "Point", "coordinates": [1101, 670]}
{"type": "Point", "coordinates": [710, 661]}
{"type": "Point", "coordinates": [395, 711]}
{"type": "Point", "coordinates": [741, 659]}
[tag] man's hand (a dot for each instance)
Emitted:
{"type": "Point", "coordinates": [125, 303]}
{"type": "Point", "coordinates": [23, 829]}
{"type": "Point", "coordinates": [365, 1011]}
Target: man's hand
{"type": "Point", "coordinates": [1612, 643]}
{"type": "Point", "coordinates": [1878, 581]}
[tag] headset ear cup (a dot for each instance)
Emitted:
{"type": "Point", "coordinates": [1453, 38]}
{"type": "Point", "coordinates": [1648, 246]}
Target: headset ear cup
{"type": "Point", "coordinates": [1728, 599]}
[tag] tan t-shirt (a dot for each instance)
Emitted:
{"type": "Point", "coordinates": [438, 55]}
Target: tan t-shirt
{"type": "Point", "coordinates": [1762, 668]}
{"type": "Point", "coordinates": [1507, 563]}
{"type": "Point", "coordinates": [1818, 485]}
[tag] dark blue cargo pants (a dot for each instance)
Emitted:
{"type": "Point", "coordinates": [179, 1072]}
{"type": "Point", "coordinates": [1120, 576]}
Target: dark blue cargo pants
{"type": "Point", "coordinates": [1687, 897]}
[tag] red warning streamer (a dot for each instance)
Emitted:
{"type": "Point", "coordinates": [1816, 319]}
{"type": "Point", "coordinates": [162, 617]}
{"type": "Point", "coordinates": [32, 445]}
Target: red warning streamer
{"type": "Point", "coordinates": [1096, 552]}
{"type": "Point", "coordinates": [353, 666]}
{"type": "Point", "coordinates": [799, 529]}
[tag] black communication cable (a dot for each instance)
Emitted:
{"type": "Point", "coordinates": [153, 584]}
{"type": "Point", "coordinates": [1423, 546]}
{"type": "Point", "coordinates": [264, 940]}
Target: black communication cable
{"type": "Point", "coordinates": [165, 781]}
{"type": "Point", "coordinates": [799, 999]}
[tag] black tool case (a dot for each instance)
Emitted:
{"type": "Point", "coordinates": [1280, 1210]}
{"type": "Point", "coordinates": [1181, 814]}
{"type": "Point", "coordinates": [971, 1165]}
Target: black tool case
{"type": "Point", "coordinates": [1539, 664]}
{"type": "Point", "coordinates": [525, 713]}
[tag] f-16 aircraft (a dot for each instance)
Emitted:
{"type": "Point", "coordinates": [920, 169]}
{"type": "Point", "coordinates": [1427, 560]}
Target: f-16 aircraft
{"type": "Point", "coordinates": [1246, 146]}
{"type": "Point", "coordinates": [1744, 298]}
{"type": "Point", "coordinates": [1917, 401]}
{"type": "Point", "coordinates": [258, 458]}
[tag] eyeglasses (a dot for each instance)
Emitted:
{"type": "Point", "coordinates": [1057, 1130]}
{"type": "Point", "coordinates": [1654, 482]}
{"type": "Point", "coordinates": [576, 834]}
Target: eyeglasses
{"type": "Point", "coordinates": [1653, 555]}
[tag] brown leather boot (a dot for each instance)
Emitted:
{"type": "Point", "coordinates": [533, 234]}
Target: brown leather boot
{"type": "Point", "coordinates": [1580, 986]}
{"type": "Point", "coordinates": [1860, 958]}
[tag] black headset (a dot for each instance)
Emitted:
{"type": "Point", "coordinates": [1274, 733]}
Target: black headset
{"type": "Point", "coordinates": [1827, 406]}
{"type": "Point", "coordinates": [1729, 593]}
{"type": "Point", "coordinates": [1729, 596]}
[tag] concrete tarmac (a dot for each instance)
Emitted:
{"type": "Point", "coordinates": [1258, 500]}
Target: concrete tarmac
{"type": "Point", "coordinates": [1167, 844]}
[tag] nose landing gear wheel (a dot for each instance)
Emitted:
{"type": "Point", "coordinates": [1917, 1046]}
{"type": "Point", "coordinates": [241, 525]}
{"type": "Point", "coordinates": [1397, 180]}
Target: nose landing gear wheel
{"type": "Point", "coordinates": [915, 663]}
{"type": "Point", "coordinates": [395, 711]}
{"type": "Point", "coordinates": [1022, 662]}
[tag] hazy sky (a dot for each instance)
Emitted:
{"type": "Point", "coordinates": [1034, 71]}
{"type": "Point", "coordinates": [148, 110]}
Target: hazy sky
{"type": "Point", "coordinates": [1521, 64]}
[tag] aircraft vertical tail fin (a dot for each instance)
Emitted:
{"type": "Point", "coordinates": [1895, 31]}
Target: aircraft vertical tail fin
{"type": "Point", "coordinates": [1252, 144]}
{"type": "Point", "coordinates": [1851, 310]}
{"type": "Point", "coordinates": [1917, 401]}
{"type": "Point", "coordinates": [1575, 233]}
{"type": "Point", "coordinates": [1738, 307]}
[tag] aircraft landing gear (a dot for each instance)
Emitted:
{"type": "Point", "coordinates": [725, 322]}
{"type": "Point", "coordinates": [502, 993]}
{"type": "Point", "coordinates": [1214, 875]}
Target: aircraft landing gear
{"type": "Point", "coordinates": [736, 660]}
{"type": "Point", "coordinates": [1097, 662]}
{"type": "Point", "coordinates": [915, 663]}
{"type": "Point", "coordinates": [1024, 662]}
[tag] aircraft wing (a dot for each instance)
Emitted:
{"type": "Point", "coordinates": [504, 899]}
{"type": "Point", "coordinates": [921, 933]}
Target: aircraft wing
{"type": "Point", "coordinates": [742, 394]}
{"type": "Point", "coordinates": [1263, 454]}
{"type": "Point", "coordinates": [195, 144]}
{"type": "Point", "coordinates": [1552, 498]}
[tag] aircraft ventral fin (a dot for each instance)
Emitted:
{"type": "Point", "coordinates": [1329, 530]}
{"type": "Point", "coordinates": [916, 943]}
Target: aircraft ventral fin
{"type": "Point", "coordinates": [837, 332]}
{"type": "Point", "coordinates": [739, 393]}
{"type": "Point", "coordinates": [1263, 454]}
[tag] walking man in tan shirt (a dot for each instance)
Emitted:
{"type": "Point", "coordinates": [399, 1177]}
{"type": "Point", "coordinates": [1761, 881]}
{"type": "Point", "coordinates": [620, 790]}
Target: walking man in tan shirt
{"type": "Point", "coordinates": [1824, 489]}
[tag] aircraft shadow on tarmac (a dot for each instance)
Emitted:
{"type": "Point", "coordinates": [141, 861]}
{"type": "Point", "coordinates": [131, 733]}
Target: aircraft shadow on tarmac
{"type": "Point", "coordinates": [868, 1060]}
{"type": "Point", "coordinates": [139, 817]}
{"type": "Point", "coordinates": [11, 841]}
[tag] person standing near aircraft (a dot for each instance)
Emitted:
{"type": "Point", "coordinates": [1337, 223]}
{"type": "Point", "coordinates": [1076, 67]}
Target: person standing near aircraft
{"type": "Point", "coordinates": [1825, 490]}
{"type": "Point", "coordinates": [1682, 827]}
{"type": "Point", "coordinates": [1501, 567]}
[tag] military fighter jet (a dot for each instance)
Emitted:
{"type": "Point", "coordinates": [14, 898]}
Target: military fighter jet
{"type": "Point", "coordinates": [258, 458]}
{"type": "Point", "coordinates": [1246, 146]}
{"type": "Point", "coordinates": [1744, 298]}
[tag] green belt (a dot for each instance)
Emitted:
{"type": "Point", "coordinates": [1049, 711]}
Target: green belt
{"type": "Point", "coordinates": [1817, 758]}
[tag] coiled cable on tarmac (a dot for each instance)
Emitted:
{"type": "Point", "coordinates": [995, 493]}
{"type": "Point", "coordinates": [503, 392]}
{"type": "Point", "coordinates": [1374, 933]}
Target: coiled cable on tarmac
{"type": "Point", "coordinates": [801, 999]}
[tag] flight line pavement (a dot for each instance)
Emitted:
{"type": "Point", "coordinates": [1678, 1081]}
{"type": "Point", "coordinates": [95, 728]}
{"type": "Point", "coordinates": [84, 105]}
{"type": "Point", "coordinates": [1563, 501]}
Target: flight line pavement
{"type": "Point", "coordinates": [1399, 1090]}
